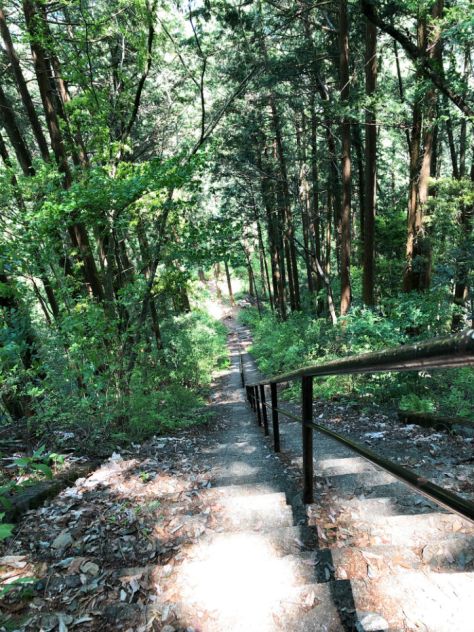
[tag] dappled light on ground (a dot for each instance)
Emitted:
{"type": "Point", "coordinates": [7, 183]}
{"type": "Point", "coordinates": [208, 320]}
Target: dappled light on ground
{"type": "Point", "coordinates": [238, 579]}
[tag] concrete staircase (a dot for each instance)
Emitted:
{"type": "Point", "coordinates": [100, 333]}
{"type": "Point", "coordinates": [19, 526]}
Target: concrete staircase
{"type": "Point", "coordinates": [368, 555]}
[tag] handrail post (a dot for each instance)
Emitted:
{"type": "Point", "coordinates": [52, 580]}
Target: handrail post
{"type": "Point", "coordinates": [241, 367]}
{"type": "Point", "coordinates": [264, 410]}
{"type": "Point", "coordinates": [257, 404]}
{"type": "Point", "coordinates": [275, 422]}
{"type": "Point", "coordinates": [307, 418]}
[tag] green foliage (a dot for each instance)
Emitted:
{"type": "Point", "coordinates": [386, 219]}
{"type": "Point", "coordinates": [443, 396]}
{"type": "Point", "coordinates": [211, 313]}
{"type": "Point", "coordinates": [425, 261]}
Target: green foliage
{"type": "Point", "coordinates": [303, 340]}
{"type": "Point", "coordinates": [165, 391]}
{"type": "Point", "coordinates": [5, 529]}
{"type": "Point", "coordinates": [417, 404]}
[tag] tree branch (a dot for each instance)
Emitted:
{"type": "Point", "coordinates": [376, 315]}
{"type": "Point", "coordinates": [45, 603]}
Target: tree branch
{"type": "Point", "coordinates": [423, 62]}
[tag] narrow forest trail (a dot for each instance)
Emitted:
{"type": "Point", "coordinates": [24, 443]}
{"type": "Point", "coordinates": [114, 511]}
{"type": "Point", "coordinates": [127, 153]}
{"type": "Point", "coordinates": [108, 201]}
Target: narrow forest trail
{"type": "Point", "coordinates": [205, 531]}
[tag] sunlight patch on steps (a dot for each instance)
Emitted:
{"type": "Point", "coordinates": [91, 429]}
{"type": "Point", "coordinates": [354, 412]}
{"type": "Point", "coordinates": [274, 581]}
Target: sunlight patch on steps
{"type": "Point", "coordinates": [239, 580]}
{"type": "Point", "coordinates": [344, 465]}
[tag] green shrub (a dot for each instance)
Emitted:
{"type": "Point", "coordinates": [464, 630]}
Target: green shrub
{"type": "Point", "coordinates": [303, 340]}
{"type": "Point", "coordinates": [87, 392]}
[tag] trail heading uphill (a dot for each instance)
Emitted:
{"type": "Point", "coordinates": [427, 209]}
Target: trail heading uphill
{"type": "Point", "coordinates": [205, 531]}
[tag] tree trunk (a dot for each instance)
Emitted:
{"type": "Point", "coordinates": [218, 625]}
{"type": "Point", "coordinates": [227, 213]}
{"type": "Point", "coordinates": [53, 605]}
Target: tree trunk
{"type": "Point", "coordinates": [358, 144]}
{"type": "Point", "coordinates": [315, 223]}
{"type": "Point", "coordinates": [287, 219]}
{"type": "Point", "coordinates": [8, 121]}
{"type": "Point", "coordinates": [267, 190]}
{"type": "Point", "coordinates": [418, 267]}
{"type": "Point", "coordinates": [229, 284]}
{"type": "Point", "coordinates": [77, 231]}
{"type": "Point", "coordinates": [217, 273]}
{"type": "Point", "coordinates": [346, 160]}
{"type": "Point", "coordinates": [304, 195]}
{"type": "Point", "coordinates": [401, 90]}
{"type": "Point", "coordinates": [263, 259]}
{"type": "Point", "coordinates": [23, 89]}
{"type": "Point", "coordinates": [368, 279]}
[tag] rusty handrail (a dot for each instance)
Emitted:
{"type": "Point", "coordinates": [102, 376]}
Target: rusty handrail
{"type": "Point", "coordinates": [440, 353]}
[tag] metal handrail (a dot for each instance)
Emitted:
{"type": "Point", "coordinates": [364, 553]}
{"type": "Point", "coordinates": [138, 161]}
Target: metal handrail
{"type": "Point", "coordinates": [449, 352]}
{"type": "Point", "coordinates": [438, 353]}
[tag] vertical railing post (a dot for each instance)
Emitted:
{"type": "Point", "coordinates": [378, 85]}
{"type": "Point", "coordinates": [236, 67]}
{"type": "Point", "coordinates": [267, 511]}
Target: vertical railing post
{"type": "Point", "coordinates": [307, 416]}
{"type": "Point", "coordinates": [276, 423]}
{"type": "Point", "coordinates": [264, 410]}
{"type": "Point", "coordinates": [241, 367]}
{"type": "Point", "coordinates": [247, 393]}
{"type": "Point", "coordinates": [257, 403]}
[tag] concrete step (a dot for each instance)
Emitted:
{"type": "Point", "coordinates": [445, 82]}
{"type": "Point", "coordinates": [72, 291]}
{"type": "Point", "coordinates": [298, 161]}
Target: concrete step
{"type": "Point", "coordinates": [435, 602]}
{"type": "Point", "coordinates": [262, 512]}
{"type": "Point", "coordinates": [455, 555]}
{"type": "Point", "coordinates": [401, 530]}
{"type": "Point", "coordinates": [240, 445]}
{"type": "Point", "coordinates": [233, 491]}
{"type": "Point", "coordinates": [267, 597]}
{"type": "Point", "coordinates": [360, 507]}
{"type": "Point", "coordinates": [438, 602]}
{"type": "Point", "coordinates": [235, 584]}
{"type": "Point", "coordinates": [280, 541]}
{"type": "Point", "coordinates": [244, 471]}
{"type": "Point", "coordinates": [263, 603]}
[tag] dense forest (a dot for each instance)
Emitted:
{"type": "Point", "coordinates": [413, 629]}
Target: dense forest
{"type": "Point", "coordinates": [317, 155]}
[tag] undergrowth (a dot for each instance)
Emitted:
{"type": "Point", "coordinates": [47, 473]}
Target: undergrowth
{"type": "Point", "coordinates": [105, 407]}
{"type": "Point", "coordinates": [303, 339]}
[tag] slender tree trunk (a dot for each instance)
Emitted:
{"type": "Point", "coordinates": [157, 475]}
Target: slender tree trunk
{"type": "Point", "coordinates": [268, 197]}
{"type": "Point", "coordinates": [288, 228]}
{"type": "Point", "coordinates": [358, 145]}
{"type": "Point", "coordinates": [463, 131]}
{"type": "Point", "coordinates": [401, 90]}
{"type": "Point", "coordinates": [418, 268]}
{"type": "Point", "coordinates": [451, 142]}
{"type": "Point", "coordinates": [464, 264]}
{"type": "Point", "coordinates": [229, 284]}
{"type": "Point", "coordinates": [252, 288]}
{"type": "Point", "coordinates": [217, 274]}
{"type": "Point", "coordinates": [23, 88]}
{"type": "Point", "coordinates": [8, 120]}
{"type": "Point", "coordinates": [263, 283]}
{"type": "Point", "coordinates": [368, 279]}
{"type": "Point", "coordinates": [40, 61]}
{"type": "Point", "coordinates": [346, 160]}
{"type": "Point", "coordinates": [304, 195]}
{"type": "Point", "coordinates": [263, 258]}
{"type": "Point", "coordinates": [414, 215]}
{"type": "Point", "coordinates": [252, 283]}
{"type": "Point", "coordinates": [315, 223]}
{"type": "Point", "coordinates": [75, 141]}
{"type": "Point", "coordinates": [155, 325]}
{"type": "Point", "coordinates": [77, 231]}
